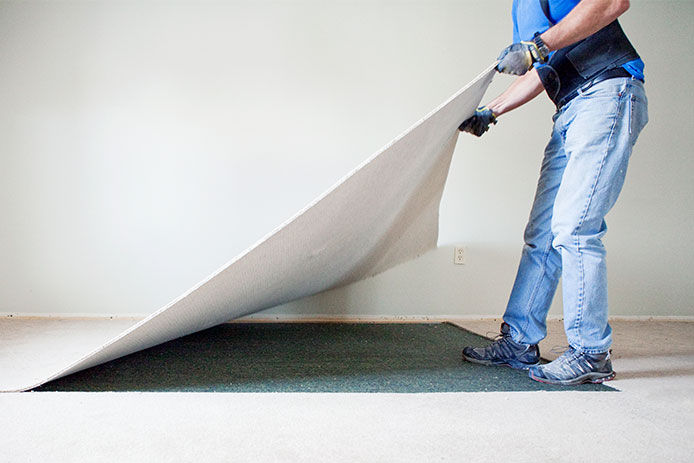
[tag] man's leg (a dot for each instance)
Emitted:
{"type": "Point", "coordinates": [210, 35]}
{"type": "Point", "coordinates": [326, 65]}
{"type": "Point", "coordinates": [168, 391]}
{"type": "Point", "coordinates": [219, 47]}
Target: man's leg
{"type": "Point", "coordinates": [536, 282]}
{"type": "Point", "coordinates": [540, 265]}
{"type": "Point", "coordinates": [602, 126]}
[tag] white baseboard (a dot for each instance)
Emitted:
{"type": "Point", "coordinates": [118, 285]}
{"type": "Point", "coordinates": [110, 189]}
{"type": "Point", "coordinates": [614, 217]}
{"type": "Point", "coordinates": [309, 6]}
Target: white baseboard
{"type": "Point", "coordinates": [72, 315]}
{"type": "Point", "coordinates": [647, 318]}
{"type": "Point", "coordinates": [338, 318]}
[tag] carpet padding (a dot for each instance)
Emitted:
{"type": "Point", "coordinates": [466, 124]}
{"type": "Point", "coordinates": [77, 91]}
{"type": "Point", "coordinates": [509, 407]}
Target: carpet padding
{"type": "Point", "coordinates": [307, 357]}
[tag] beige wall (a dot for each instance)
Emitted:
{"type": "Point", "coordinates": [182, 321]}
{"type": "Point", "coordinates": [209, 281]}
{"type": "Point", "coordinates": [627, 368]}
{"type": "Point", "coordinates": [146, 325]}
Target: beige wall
{"type": "Point", "coordinates": [144, 144]}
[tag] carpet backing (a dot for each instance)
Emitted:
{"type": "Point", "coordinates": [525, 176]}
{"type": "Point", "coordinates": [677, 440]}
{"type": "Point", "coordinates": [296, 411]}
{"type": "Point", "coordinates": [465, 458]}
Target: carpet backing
{"type": "Point", "coordinates": [383, 213]}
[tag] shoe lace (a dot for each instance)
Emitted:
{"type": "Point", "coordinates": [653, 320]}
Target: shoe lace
{"type": "Point", "coordinates": [568, 354]}
{"type": "Point", "coordinates": [499, 340]}
{"type": "Point", "coordinates": [562, 365]}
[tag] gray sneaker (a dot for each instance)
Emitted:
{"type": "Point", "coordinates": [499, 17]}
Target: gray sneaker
{"type": "Point", "coordinates": [504, 352]}
{"type": "Point", "coordinates": [575, 367]}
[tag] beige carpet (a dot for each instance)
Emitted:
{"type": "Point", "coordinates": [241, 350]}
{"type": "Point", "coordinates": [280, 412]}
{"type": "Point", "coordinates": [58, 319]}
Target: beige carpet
{"type": "Point", "coordinates": [652, 419]}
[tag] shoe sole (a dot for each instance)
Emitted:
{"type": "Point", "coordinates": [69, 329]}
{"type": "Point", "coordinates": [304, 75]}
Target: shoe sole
{"type": "Point", "coordinates": [514, 365]}
{"type": "Point", "coordinates": [593, 378]}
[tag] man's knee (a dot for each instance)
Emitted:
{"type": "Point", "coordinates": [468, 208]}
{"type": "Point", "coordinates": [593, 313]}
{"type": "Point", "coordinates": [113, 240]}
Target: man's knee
{"type": "Point", "coordinates": [578, 237]}
{"type": "Point", "coordinates": [537, 236]}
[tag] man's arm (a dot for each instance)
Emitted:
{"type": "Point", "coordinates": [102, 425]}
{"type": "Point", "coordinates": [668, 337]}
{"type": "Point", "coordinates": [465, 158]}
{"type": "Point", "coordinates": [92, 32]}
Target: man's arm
{"type": "Point", "coordinates": [588, 17]}
{"type": "Point", "coordinates": [522, 90]}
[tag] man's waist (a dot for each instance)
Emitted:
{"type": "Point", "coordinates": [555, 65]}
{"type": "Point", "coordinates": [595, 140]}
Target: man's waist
{"type": "Point", "coordinates": [608, 74]}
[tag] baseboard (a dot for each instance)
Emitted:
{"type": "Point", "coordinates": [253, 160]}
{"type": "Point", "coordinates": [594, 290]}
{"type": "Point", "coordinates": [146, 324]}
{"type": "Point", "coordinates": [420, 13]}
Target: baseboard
{"type": "Point", "coordinates": [265, 318]}
{"type": "Point", "coordinates": [72, 315]}
{"type": "Point", "coordinates": [647, 318]}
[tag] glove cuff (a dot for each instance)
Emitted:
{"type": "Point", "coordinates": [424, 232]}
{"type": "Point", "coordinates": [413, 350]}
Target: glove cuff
{"type": "Point", "coordinates": [487, 114]}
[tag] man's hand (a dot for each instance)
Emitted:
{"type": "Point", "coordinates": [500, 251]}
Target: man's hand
{"type": "Point", "coordinates": [518, 58]}
{"type": "Point", "coordinates": [479, 122]}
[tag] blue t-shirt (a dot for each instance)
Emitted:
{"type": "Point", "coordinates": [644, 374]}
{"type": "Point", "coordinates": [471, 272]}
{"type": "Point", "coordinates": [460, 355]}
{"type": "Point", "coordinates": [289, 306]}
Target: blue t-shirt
{"type": "Point", "coordinates": [529, 18]}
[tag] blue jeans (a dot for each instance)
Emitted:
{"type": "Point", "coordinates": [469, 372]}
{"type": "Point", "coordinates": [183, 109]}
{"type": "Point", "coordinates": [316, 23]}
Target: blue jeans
{"type": "Point", "coordinates": [582, 174]}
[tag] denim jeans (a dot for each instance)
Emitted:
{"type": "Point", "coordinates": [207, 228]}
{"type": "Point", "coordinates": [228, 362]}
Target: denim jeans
{"type": "Point", "coordinates": [582, 174]}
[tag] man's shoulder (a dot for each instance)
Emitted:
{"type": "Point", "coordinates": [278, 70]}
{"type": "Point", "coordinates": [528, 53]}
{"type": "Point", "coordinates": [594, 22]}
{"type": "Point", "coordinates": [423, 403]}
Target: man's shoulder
{"type": "Point", "coordinates": [529, 15]}
{"type": "Point", "coordinates": [559, 8]}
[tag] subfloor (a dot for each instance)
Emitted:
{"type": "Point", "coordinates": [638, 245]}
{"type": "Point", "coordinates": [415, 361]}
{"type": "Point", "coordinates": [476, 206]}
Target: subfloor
{"type": "Point", "coordinates": [651, 419]}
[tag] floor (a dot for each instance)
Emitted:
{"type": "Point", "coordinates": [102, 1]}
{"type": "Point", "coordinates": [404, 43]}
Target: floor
{"type": "Point", "coordinates": [651, 419]}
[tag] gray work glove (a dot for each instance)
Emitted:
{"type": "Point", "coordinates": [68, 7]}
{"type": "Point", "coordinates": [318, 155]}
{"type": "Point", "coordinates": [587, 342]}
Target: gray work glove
{"type": "Point", "coordinates": [479, 122]}
{"type": "Point", "coordinates": [518, 58]}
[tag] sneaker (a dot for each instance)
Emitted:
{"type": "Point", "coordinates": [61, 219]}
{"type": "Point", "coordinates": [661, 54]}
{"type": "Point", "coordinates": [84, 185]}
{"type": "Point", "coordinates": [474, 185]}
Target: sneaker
{"type": "Point", "coordinates": [574, 367]}
{"type": "Point", "coordinates": [504, 352]}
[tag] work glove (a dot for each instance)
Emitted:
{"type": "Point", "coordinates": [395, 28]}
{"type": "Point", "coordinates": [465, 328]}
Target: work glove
{"type": "Point", "coordinates": [479, 122]}
{"type": "Point", "coordinates": [518, 58]}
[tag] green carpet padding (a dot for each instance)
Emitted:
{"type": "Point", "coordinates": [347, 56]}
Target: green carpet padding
{"type": "Point", "coordinates": [308, 357]}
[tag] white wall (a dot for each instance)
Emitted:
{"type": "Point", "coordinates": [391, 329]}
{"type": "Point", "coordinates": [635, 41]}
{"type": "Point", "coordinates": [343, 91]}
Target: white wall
{"type": "Point", "coordinates": [144, 144]}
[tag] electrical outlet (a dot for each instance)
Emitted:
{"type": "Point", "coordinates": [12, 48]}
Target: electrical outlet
{"type": "Point", "coordinates": [459, 256]}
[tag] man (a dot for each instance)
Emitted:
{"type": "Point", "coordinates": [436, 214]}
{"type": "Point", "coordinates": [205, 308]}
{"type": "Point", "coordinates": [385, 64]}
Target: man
{"type": "Point", "coordinates": [576, 51]}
